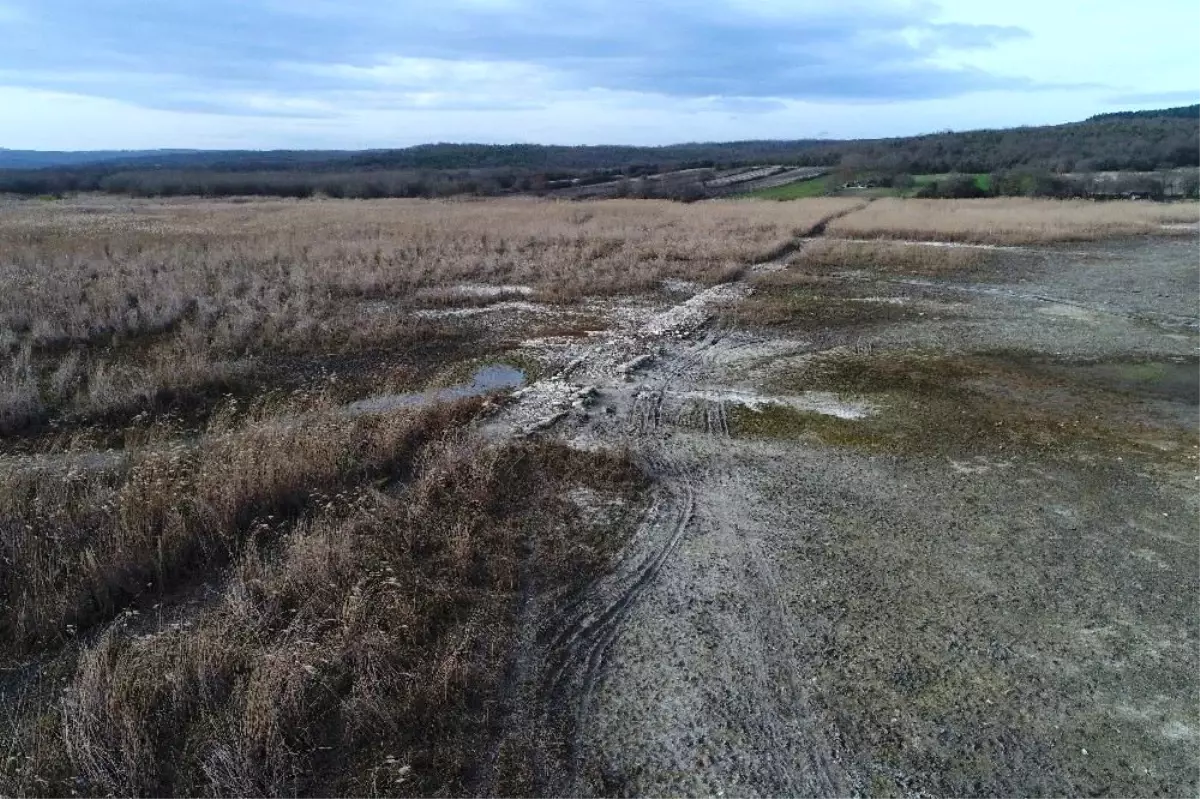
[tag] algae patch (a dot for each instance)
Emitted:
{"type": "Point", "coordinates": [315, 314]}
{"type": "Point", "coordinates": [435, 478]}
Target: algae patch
{"type": "Point", "coordinates": [978, 403]}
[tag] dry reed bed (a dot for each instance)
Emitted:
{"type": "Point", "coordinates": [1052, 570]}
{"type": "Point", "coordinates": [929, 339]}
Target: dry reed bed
{"type": "Point", "coordinates": [356, 644]}
{"type": "Point", "coordinates": [108, 304]}
{"type": "Point", "coordinates": [824, 255]}
{"type": "Point", "coordinates": [1010, 221]}
{"type": "Point", "coordinates": [74, 274]}
{"type": "Point", "coordinates": [77, 548]}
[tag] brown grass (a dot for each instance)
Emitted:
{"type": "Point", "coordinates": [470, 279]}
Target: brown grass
{"type": "Point", "coordinates": [110, 303]}
{"type": "Point", "coordinates": [1013, 221]}
{"type": "Point", "coordinates": [825, 255]}
{"type": "Point", "coordinates": [77, 273]}
{"type": "Point", "coordinates": [76, 548]}
{"type": "Point", "coordinates": [358, 643]}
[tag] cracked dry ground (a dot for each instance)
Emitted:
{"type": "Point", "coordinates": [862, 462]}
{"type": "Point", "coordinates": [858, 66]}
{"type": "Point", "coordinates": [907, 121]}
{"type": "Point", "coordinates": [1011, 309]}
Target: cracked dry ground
{"type": "Point", "coordinates": [929, 537]}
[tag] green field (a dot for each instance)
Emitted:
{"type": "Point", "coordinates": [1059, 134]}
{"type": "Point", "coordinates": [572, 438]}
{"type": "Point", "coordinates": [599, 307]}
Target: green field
{"type": "Point", "coordinates": [982, 179]}
{"type": "Point", "coordinates": [813, 187]}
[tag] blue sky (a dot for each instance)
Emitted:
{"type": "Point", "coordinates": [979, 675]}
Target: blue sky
{"type": "Point", "coordinates": [93, 74]}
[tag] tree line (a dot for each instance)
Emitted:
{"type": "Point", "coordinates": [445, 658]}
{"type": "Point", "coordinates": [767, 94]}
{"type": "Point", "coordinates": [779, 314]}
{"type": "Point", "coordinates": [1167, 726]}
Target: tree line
{"type": "Point", "coordinates": [1137, 141]}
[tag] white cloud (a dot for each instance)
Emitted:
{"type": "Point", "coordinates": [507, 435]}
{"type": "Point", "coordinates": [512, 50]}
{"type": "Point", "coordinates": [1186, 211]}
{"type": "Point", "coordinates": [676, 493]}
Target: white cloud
{"type": "Point", "coordinates": [38, 119]}
{"type": "Point", "coordinates": [1149, 46]}
{"type": "Point", "coordinates": [379, 74]}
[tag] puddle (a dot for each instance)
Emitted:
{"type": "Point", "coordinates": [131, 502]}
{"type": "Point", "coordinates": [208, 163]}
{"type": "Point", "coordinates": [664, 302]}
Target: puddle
{"type": "Point", "coordinates": [484, 290]}
{"type": "Point", "coordinates": [1178, 381]}
{"type": "Point", "coordinates": [517, 306]}
{"type": "Point", "coordinates": [822, 402]}
{"type": "Point", "coordinates": [494, 377]}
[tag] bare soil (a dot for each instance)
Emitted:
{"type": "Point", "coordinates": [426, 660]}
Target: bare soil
{"type": "Point", "coordinates": [985, 584]}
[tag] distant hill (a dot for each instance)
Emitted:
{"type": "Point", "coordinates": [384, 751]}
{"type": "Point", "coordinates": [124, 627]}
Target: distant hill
{"type": "Point", "coordinates": [558, 157]}
{"type": "Point", "coordinates": [422, 156]}
{"type": "Point", "coordinates": [1183, 111]}
{"type": "Point", "coordinates": [1142, 141]}
{"type": "Point", "coordinates": [39, 159]}
{"type": "Point", "coordinates": [168, 159]}
{"type": "Point", "coordinates": [1125, 141]}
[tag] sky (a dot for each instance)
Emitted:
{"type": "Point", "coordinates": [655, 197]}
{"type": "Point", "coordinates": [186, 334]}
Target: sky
{"type": "Point", "coordinates": [352, 74]}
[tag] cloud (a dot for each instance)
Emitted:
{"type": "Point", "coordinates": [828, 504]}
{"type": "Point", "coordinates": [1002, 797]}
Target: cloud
{"type": "Point", "coordinates": [1186, 97]}
{"type": "Point", "coordinates": [314, 57]}
{"type": "Point", "coordinates": [958, 36]}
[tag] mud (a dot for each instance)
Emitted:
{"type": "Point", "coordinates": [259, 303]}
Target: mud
{"type": "Point", "coordinates": [486, 380]}
{"type": "Point", "coordinates": [1001, 600]}
{"type": "Point", "coordinates": [515, 306]}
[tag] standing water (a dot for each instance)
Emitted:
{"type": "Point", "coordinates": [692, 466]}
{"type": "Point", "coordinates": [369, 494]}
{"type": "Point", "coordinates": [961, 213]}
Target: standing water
{"type": "Point", "coordinates": [493, 377]}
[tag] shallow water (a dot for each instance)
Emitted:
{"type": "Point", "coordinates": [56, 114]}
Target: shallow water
{"type": "Point", "coordinates": [822, 402]}
{"type": "Point", "coordinates": [1175, 380]}
{"type": "Point", "coordinates": [493, 377]}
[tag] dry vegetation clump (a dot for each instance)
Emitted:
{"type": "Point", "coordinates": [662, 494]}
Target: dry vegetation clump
{"type": "Point", "coordinates": [359, 650]}
{"type": "Point", "coordinates": [108, 304]}
{"type": "Point", "coordinates": [808, 303]}
{"type": "Point", "coordinates": [826, 255]}
{"type": "Point", "coordinates": [77, 548]}
{"type": "Point", "coordinates": [1011, 221]}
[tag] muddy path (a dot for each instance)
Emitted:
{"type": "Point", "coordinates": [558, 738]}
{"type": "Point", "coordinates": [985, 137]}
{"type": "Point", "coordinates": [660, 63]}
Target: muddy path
{"type": "Point", "coordinates": [791, 618]}
{"type": "Point", "coordinates": [637, 388]}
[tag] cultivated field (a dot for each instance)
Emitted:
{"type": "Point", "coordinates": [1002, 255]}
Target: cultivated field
{"type": "Point", "coordinates": [625, 497]}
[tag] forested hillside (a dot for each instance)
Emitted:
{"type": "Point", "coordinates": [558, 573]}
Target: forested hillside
{"type": "Point", "coordinates": [1184, 111]}
{"type": "Point", "coordinates": [1133, 141]}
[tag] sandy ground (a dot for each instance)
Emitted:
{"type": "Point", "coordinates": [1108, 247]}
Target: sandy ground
{"type": "Point", "coordinates": [796, 615]}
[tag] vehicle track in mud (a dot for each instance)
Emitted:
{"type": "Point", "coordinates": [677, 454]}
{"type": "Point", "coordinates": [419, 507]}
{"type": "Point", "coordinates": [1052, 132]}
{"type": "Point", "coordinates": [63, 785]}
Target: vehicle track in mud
{"type": "Point", "coordinates": [581, 634]}
{"type": "Point", "coordinates": [639, 377]}
{"type": "Point", "coordinates": [1168, 321]}
{"type": "Point", "coordinates": [689, 668]}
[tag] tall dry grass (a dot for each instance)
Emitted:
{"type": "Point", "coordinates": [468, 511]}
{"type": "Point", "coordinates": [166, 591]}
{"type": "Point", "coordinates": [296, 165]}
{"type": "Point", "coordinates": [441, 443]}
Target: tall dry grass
{"type": "Point", "coordinates": [1015, 221]}
{"type": "Point", "coordinates": [270, 269]}
{"type": "Point", "coordinates": [77, 548]}
{"type": "Point", "coordinates": [360, 650]}
{"type": "Point", "coordinates": [822, 255]}
{"type": "Point", "coordinates": [109, 303]}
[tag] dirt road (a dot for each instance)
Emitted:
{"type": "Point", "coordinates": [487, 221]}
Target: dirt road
{"type": "Point", "coordinates": [972, 574]}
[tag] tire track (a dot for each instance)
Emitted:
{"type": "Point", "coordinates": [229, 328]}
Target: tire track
{"type": "Point", "coordinates": [575, 641]}
{"type": "Point", "coordinates": [814, 232]}
{"type": "Point", "coordinates": [581, 636]}
{"type": "Point", "coordinates": [1166, 321]}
